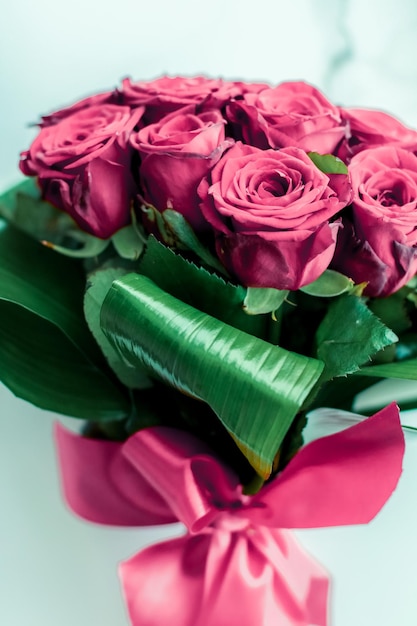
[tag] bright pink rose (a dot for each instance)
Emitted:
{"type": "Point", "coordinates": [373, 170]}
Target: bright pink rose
{"type": "Point", "coordinates": [290, 114]}
{"type": "Point", "coordinates": [379, 245]}
{"type": "Point", "coordinates": [83, 166]}
{"type": "Point", "coordinates": [271, 211]}
{"type": "Point", "coordinates": [176, 153]}
{"type": "Point", "coordinates": [366, 128]}
{"type": "Point", "coordinates": [170, 93]}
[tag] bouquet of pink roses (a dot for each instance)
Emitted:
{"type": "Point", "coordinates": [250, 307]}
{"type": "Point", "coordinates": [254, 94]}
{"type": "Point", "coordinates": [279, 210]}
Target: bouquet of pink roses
{"type": "Point", "coordinates": [192, 267]}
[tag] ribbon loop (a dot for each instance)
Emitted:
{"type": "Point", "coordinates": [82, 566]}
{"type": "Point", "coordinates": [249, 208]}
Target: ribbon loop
{"type": "Point", "coordinates": [183, 470]}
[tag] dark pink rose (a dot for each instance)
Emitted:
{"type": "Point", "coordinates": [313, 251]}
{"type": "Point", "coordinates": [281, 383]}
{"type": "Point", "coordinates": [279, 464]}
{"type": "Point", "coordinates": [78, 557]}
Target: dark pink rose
{"type": "Point", "coordinates": [170, 93]}
{"type": "Point", "coordinates": [83, 166]}
{"type": "Point", "coordinates": [176, 153]}
{"type": "Point", "coordinates": [271, 211]}
{"type": "Point", "coordinates": [109, 97]}
{"type": "Point", "coordinates": [290, 114]}
{"type": "Point", "coordinates": [379, 244]}
{"type": "Point", "coordinates": [367, 128]}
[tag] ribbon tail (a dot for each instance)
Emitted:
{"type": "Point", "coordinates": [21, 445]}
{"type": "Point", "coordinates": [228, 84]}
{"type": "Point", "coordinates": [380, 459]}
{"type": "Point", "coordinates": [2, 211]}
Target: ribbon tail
{"type": "Point", "coordinates": [162, 584]}
{"type": "Point", "coordinates": [252, 576]}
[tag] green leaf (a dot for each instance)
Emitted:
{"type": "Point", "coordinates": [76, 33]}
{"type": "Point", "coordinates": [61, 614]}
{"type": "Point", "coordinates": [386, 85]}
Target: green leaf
{"type": "Point", "coordinates": [23, 207]}
{"type": "Point", "coordinates": [392, 311]}
{"type": "Point", "coordinates": [99, 283]}
{"type": "Point", "coordinates": [200, 288]}
{"type": "Point", "coordinates": [129, 242]}
{"type": "Point", "coordinates": [47, 354]}
{"type": "Point", "coordinates": [80, 245]}
{"type": "Point", "coordinates": [328, 163]}
{"type": "Point", "coordinates": [260, 300]}
{"type": "Point", "coordinates": [256, 389]}
{"type": "Point", "coordinates": [349, 335]}
{"type": "Point", "coordinates": [176, 232]}
{"type": "Point", "coordinates": [329, 285]}
{"type": "Point", "coordinates": [340, 393]}
{"type": "Point", "coordinates": [398, 369]}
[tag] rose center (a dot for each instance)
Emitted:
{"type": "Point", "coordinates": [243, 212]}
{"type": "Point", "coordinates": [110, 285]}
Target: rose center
{"type": "Point", "coordinates": [276, 184]}
{"type": "Point", "coordinates": [396, 196]}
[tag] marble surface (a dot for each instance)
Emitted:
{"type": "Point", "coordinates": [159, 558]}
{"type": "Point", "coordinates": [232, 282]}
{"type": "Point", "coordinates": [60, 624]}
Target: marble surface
{"type": "Point", "coordinates": [55, 568]}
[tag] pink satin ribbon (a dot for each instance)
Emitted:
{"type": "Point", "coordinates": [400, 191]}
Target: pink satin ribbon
{"type": "Point", "coordinates": [238, 564]}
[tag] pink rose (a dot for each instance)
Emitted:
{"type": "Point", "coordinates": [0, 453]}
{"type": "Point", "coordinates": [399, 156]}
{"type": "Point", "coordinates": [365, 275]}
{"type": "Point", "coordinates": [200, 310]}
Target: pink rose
{"type": "Point", "coordinates": [176, 153]}
{"type": "Point", "coordinates": [379, 244]}
{"type": "Point", "coordinates": [271, 211]}
{"type": "Point", "coordinates": [170, 93]}
{"type": "Point", "coordinates": [366, 128]}
{"type": "Point", "coordinates": [290, 114]}
{"type": "Point", "coordinates": [83, 166]}
{"type": "Point", "coordinates": [109, 97]}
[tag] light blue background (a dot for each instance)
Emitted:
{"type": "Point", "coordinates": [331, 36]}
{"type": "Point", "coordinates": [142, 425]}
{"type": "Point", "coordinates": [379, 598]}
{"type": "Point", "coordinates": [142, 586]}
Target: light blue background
{"type": "Point", "coordinates": [54, 568]}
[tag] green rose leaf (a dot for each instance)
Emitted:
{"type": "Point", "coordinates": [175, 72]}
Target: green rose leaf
{"type": "Point", "coordinates": [260, 300]}
{"type": "Point", "coordinates": [129, 242]}
{"type": "Point", "coordinates": [256, 389]}
{"type": "Point", "coordinates": [176, 232]}
{"type": "Point", "coordinates": [328, 163]}
{"type": "Point", "coordinates": [200, 288]}
{"type": "Point", "coordinates": [329, 285]}
{"type": "Point", "coordinates": [349, 335]}
{"type": "Point", "coordinates": [47, 354]}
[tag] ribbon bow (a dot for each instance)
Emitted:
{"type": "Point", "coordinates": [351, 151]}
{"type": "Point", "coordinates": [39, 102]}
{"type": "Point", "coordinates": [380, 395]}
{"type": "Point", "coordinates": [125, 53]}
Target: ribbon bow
{"type": "Point", "coordinates": [238, 564]}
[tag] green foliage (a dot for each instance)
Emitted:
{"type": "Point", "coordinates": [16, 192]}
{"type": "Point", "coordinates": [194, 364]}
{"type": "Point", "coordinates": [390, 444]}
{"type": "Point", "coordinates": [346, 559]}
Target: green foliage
{"type": "Point", "coordinates": [328, 285]}
{"type": "Point", "coordinates": [110, 331]}
{"type": "Point", "coordinates": [200, 288]}
{"type": "Point", "coordinates": [255, 389]}
{"type": "Point", "coordinates": [129, 242]}
{"type": "Point", "coordinates": [23, 207]}
{"type": "Point", "coordinates": [328, 163]}
{"type": "Point", "coordinates": [399, 369]}
{"type": "Point", "coordinates": [48, 356]}
{"type": "Point", "coordinates": [176, 232]}
{"type": "Point", "coordinates": [349, 335]}
{"type": "Point", "coordinates": [393, 311]}
{"type": "Point", "coordinates": [259, 300]}
{"type": "Point", "coordinates": [98, 285]}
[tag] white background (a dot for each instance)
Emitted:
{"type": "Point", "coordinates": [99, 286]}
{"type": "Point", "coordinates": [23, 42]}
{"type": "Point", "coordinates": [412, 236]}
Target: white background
{"type": "Point", "coordinates": [55, 568]}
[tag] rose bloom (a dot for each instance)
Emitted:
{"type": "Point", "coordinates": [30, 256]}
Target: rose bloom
{"type": "Point", "coordinates": [176, 153]}
{"type": "Point", "coordinates": [83, 166]}
{"type": "Point", "coordinates": [170, 93]}
{"type": "Point", "coordinates": [108, 97]}
{"type": "Point", "coordinates": [378, 245]}
{"type": "Point", "coordinates": [367, 128]}
{"type": "Point", "coordinates": [290, 114]}
{"type": "Point", "coordinates": [271, 211]}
